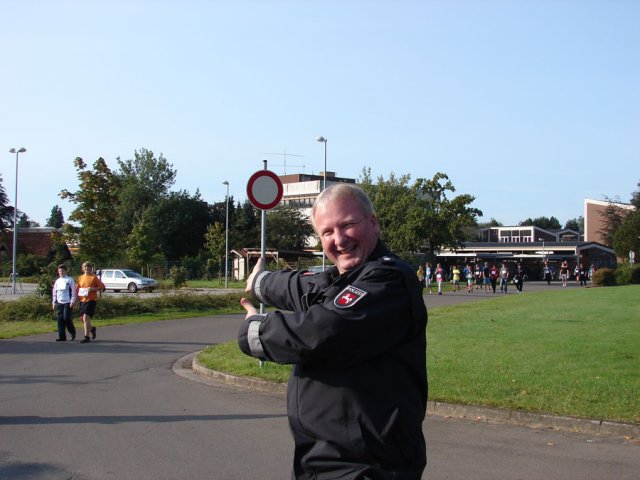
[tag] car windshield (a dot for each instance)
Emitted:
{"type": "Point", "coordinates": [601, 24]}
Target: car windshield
{"type": "Point", "coordinates": [131, 274]}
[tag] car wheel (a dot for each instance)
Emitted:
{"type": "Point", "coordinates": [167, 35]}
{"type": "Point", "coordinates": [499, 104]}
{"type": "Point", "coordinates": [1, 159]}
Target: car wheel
{"type": "Point", "coordinates": [133, 288]}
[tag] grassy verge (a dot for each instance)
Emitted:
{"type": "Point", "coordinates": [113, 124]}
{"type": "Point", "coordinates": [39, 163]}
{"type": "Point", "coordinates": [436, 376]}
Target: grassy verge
{"type": "Point", "coordinates": [569, 352]}
{"type": "Point", "coordinates": [31, 315]}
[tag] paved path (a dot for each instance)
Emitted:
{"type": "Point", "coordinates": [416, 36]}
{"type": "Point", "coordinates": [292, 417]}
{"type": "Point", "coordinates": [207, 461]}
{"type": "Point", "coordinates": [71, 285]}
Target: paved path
{"type": "Point", "coordinates": [114, 409]}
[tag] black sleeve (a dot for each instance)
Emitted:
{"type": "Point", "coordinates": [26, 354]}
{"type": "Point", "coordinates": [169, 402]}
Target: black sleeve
{"type": "Point", "coordinates": [380, 314]}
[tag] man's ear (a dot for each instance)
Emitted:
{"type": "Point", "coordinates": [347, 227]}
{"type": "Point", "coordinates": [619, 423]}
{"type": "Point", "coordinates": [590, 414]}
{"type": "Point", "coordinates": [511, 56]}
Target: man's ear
{"type": "Point", "coordinates": [376, 225]}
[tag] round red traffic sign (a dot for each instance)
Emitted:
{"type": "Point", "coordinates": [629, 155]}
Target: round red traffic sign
{"type": "Point", "coordinates": [264, 189]}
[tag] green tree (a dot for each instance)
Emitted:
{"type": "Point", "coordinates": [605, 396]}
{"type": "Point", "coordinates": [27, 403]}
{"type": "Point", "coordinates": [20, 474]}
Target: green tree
{"type": "Point", "coordinates": [6, 210]}
{"type": "Point", "coordinates": [287, 229]}
{"type": "Point", "coordinates": [143, 181]}
{"type": "Point", "coordinates": [420, 217]}
{"type": "Point", "coordinates": [215, 242]}
{"type": "Point", "coordinates": [246, 226]}
{"type": "Point", "coordinates": [56, 219]}
{"type": "Point", "coordinates": [576, 224]}
{"type": "Point", "coordinates": [59, 249]}
{"type": "Point", "coordinates": [612, 218]}
{"type": "Point", "coordinates": [144, 242]}
{"type": "Point", "coordinates": [175, 227]}
{"type": "Point", "coordinates": [627, 236]}
{"type": "Point", "coordinates": [635, 197]}
{"type": "Point", "coordinates": [25, 222]}
{"type": "Point", "coordinates": [96, 210]}
{"type": "Point", "coordinates": [491, 223]}
{"type": "Point", "coordinates": [542, 222]}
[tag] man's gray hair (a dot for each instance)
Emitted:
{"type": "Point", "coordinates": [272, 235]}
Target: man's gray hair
{"type": "Point", "coordinates": [338, 191]}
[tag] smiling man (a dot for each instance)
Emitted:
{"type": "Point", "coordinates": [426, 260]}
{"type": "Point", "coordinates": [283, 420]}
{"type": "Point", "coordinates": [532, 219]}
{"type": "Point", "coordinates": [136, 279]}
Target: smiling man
{"type": "Point", "coordinates": [356, 336]}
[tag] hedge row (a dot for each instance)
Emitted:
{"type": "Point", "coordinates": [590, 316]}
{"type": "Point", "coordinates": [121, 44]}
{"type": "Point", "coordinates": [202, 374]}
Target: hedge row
{"type": "Point", "coordinates": [32, 307]}
{"type": "Point", "coordinates": [606, 277]}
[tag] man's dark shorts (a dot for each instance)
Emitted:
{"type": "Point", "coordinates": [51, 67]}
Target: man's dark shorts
{"type": "Point", "coordinates": [88, 308]}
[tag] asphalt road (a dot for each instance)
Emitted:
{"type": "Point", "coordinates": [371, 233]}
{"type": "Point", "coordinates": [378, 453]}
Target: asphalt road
{"type": "Point", "coordinates": [115, 409]}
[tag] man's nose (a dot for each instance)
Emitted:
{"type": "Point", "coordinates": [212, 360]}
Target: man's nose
{"type": "Point", "coordinates": [338, 236]}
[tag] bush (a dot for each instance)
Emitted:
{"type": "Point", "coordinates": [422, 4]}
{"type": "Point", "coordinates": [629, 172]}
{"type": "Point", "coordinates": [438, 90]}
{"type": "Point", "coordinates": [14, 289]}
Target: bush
{"type": "Point", "coordinates": [623, 275]}
{"type": "Point", "coordinates": [26, 308]}
{"type": "Point", "coordinates": [178, 276]}
{"type": "Point", "coordinates": [604, 277]}
{"type": "Point", "coordinates": [32, 307]}
{"type": "Point", "coordinates": [635, 274]}
{"type": "Point", "coordinates": [628, 274]}
{"type": "Point", "coordinates": [45, 280]}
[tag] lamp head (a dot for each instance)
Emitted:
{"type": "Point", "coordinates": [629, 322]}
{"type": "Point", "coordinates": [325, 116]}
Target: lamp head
{"type": "Point", "coordinates": [22, 150]}
{"type": "Point", "coordinates": [321, 139]}
{"type": "Point", "coordinates": [225, 183]}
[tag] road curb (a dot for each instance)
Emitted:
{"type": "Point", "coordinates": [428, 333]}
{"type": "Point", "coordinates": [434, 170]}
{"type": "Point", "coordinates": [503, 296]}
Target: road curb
{"type": "Point", "coordinates": [446, 410]}
{"type": "Point", "coordinates": [254, 384]}
{"type": "Point", "coordinates": [534, 420]}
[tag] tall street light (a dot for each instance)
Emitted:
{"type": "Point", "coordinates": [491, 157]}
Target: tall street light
{"type": "Point", "coordinates": [324, 173]}
{"type": "Point", "coordinates": [226, 239]}
{"type": "Point", "coordinates": [324, 182]}
{"type": "Point", "coordinates": [15, 221]}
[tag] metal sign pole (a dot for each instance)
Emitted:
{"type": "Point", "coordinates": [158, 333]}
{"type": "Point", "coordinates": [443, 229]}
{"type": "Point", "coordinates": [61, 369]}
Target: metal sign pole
{"type": "Point", "coordinates": [263, 237]}
{"type": "Point", "coordinates": [264, 190]}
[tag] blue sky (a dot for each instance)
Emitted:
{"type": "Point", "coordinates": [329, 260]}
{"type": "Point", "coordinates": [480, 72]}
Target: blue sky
{"type": "Point", "coordinates": [530, 106]}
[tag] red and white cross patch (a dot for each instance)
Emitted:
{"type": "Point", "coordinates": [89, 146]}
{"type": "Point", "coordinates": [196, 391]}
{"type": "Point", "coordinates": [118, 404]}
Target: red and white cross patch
{"type": "Point", "coordinates": [348, 297]}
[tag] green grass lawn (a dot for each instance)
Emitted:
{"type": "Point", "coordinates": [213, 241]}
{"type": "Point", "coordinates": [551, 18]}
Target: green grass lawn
{"type": "Point", "coordinates": [570, 352]}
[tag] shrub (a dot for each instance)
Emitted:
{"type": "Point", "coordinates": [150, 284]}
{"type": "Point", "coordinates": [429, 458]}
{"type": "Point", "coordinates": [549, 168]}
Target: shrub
{"type": "Point", "coordinates": [178, 276]}
{"type": "Point", "coordinates": [32, 307]}
{"type": "Point", "coordinates": [628, 274]}
{"type": "Point", "coordinates": [623, 275]}
{"type": "Point", "coordinates": [45, 281]}
{"type": "Point", "coordinates": [604, 277]}
{"type": "Point", "coordinates": [635, 274]}
{"type": "Point", "coordinates": [26, 308]}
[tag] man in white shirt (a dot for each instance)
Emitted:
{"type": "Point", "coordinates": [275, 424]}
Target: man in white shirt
{"type": "Point", "coordinates": [63, 299]}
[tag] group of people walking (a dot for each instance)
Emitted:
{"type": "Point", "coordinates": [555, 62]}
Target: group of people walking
{"type": "Point", "coordinates": [66, 293]}
{"type": "Point", "coordinates": [482, 277]}
{"type": "Point", "coordinates": [485, 277]}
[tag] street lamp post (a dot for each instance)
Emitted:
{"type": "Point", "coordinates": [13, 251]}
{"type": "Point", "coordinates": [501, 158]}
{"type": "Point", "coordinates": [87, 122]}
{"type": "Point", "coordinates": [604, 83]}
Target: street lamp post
{"type": "Point", "coordinates": [322, 139]}
{"type": "Point", "coordinates": [15, 221]}
{"type": "Point", "coordinates": [544, 260]}
{"type": "Point", "coordinates": [226, 238]}
{"type": "Point", "coordinates": [324, 173]}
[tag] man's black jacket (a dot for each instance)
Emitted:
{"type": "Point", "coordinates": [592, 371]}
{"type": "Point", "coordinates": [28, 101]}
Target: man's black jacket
{"type": "Point", "coordinates": [358, 390]}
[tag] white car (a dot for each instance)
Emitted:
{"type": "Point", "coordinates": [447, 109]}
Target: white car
{"type": "Point", "coordinates": [125, 279]}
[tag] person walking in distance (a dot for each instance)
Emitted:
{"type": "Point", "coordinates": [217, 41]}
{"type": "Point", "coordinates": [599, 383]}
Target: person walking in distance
{"type": "Point", "coordinates": [63, 298]}
{"type": "Point", "coordinates": [494, 273]}
{"type": "Point", "coordinates": [468, 275]}
{"type": "Point", "coordinates": [439, 277]}
{"type": "Point", "coordinates": [428, 276]}
{"type": "Point", "coordinates": [355, 334]}
{"type": "Point", "coordinates": [486, 277]}
{"type": "Point", "coordinates": [504, 278]}
{"type": "Point", "coordinates": [518, 278]}
{"type": "Point", "coordinates": [546, 272]}
{"type": "Point", "coordinates": [455, 272]}
{"type": "Point", "coordinates": [564, 272]}
{"type": "Point", "coordinates": [583, 273]}
{"type": "Point", "coordinates": [420, 274]}
{"type": "Point", "coordinates": [88, 287]}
